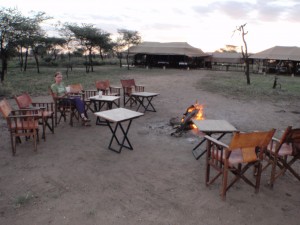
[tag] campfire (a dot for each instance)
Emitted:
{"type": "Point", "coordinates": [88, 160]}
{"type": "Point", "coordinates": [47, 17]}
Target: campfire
{"type": "Point", "coordinates": [195, 111]}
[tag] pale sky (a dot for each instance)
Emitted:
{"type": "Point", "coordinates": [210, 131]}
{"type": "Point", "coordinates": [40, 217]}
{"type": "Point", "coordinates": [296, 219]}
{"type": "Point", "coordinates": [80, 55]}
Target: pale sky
{"type": "Point", "coordinates": [205, 24]}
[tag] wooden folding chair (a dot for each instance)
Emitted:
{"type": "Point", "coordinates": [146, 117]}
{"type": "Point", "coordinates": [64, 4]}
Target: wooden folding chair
{"type": "Point", "coordinates": [107, 89]}
{"type": "Point", "coordinates": [78, 90]}
{"type": "Point", "coordinates": [244, 151]}
{"type": "Point", "coordinates": [283, 153]}
{"type": "Point", "coordinates": [20, 123]}
{"type": "Point", "coordinates": [62, 109]}
{"type": "Point", "coordinates": [46, 111]}
{"type": "Point", "coordinates": [87, 101]}
{"type": "Point", "coordinates": [129, 86]}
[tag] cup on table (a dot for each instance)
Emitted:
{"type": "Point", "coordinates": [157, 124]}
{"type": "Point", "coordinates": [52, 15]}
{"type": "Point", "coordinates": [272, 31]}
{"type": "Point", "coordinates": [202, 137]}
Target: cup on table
{"type": "Point", "coordinates": [100, 94]}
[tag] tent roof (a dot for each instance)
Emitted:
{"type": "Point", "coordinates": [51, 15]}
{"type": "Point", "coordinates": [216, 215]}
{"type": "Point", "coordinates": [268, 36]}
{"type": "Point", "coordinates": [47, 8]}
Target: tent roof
{"type": "Point", "coordinates": [226, 57]}
{"type": "Point", "coordinates": [279, 53]}
{"type": "Point", "coordinates": [169, 48]}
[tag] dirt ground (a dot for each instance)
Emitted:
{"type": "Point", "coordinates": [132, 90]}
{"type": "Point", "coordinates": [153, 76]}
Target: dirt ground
{"type": "Point", "coordinates": [73, 179]}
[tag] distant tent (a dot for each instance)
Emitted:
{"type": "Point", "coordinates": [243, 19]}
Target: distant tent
{"type": "Point", "coordinates": [169, 48]}
{"type": "Point", "coordinates": [170, 54]}
{"type": "Point", "coordinates": [226, 57]}
{"type": "Point", "coordinates": [279, 53]}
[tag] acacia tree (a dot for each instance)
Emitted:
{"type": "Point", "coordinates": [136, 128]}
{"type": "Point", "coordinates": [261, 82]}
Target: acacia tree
{"type": "Point", "coordinates": [71, 44]}
{"type": "Point", "coordinates": [127, 39]}
{"type": "Point", "coordinates": [16, 30]}
{"type": "Point", "coordinates": [53, 46]}
{"type": "Point", "coordinates": [104, 43]}
{"type": "Point", "coordinates": [244, 48]}
{"type": "Point", "coordinates": [10, 21]}
{"type": "Point", "coordinates": [87, 34]}
{"type": "Point", "coordinates": [117, 47]}
{"type": "Point", "coordinates": [32, 37]}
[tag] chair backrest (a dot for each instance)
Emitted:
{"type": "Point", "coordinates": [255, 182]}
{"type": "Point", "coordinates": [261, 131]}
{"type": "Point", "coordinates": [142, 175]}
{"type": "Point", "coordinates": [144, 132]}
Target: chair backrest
{"type": "Point", "coordinates": [293, 137]}
{"type": "Point", "coordinates": [249, 142]}
{"type": "Point", "coordinates": [51, 93]}
{"type": "Point", "coordinates": [23, 101]}
{"type": "Point", "coordinates": [102, 85]}
{"type": "Point", "coordinates": [5, 108]}
{"type": "Point", "coordinates": [76, 88]}
{"type": "Point", "coordinates": [128, 83]}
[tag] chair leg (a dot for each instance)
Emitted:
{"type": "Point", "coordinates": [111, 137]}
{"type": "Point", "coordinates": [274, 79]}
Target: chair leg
{"type": "Point", "coordinates": [224, 183]}
{"type": "Point", "coordinates": [258, 176]}
{"type": "Point", "coordinates": [35, 135]}
{"type": "Point", "coordinates": [273, 172]}
{"type": "Point", "coordinates": [13, 140]}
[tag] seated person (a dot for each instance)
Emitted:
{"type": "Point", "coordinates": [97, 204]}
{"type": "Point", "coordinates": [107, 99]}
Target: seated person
{"type": "Point", "coordinates": [59, 90]}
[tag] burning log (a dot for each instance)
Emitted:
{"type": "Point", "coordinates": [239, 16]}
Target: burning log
{"type": "Point", "coordinates": [186, 121]}
{"type": "Point", "coordinates": [193, 112]}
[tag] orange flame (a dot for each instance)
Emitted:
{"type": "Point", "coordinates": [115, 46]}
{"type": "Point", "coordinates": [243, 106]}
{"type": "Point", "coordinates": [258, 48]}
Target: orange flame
{"type": "Point", "coordinates": [200, 114]}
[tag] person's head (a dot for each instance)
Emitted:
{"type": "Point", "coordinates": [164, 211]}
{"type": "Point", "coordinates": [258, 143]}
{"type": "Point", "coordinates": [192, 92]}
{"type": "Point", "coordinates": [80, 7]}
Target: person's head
{"type": "Point", "coordinates": [58, 77]}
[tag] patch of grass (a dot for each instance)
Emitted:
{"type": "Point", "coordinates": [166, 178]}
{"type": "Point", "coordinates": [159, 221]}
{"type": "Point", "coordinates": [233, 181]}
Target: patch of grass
{"type": "Point", "coordinates": [231, 84]}
{"type": "Point", "coordinates": [261, 87]}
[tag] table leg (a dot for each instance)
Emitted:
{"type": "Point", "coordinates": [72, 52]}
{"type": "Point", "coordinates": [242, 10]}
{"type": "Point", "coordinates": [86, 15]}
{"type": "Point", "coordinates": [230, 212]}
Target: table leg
{"type": "Point", "coordinates": [114, 137]}
{"type": "Point", "coordinates": [98, 108]}
{"type": "Point", "coordinates": [149, 99]}
{"type": "Point", "coordinates": [141, 103]}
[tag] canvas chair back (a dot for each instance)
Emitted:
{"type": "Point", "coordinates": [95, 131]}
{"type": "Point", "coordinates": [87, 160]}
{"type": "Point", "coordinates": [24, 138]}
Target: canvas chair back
{"type": "Point", "coordinates": [102, 85]}
{"type": "Point", "coordinates": [5, 108]}
{"type": "Point", "coordinates": [249, 143]}
{"type": "Point", "coordinates": [23, 101]}
{"type": "Point", "coordinates": [76, 88]}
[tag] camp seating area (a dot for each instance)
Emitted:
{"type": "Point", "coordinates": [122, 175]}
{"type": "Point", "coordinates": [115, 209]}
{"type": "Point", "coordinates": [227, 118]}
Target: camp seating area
{"type": "Point", "coordinates": [258, 150]}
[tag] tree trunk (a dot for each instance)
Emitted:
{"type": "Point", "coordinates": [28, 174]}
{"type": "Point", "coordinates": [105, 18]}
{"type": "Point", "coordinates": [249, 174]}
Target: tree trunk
{"type": "Point", "coordinates": [26, 60]}
{"type": "Point", "coordinates": [247, 72]}
{"type": "Point", "coordinates": [4, 68]}
{"type": "Point", "coordinates": [37, 62]}
{"type": "Point", "coordinates": [21, 59]}
{"type": "Point", "coordinates": [127, 60]}
{"type": "Point", "coordinates": [91, 60]}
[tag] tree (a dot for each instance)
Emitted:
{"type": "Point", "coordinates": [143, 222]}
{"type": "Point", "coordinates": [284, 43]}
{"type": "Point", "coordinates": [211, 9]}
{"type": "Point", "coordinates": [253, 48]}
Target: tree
{"type": "Point", "coordinates": [90, 38]}
{"type": "Point", "coordinates": [241, 29]}
{"type": "Point", "coordinates": [10, 22]}
{"type": "Point", "coordinates": [17, 31]}
{"type": "Point", "coordinates": [71, 43]}
{"type": "Point", "coordinates": [117, 47]}
{"type": "Point", "coordinates": [129, 38]}
{"type": "Point", "coordinates": [53, 46]}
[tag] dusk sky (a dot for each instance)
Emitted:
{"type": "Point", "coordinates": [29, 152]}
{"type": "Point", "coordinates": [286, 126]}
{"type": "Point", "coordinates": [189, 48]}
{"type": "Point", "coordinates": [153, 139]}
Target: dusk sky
{"type": "Point", "coordinates": [205, 24]}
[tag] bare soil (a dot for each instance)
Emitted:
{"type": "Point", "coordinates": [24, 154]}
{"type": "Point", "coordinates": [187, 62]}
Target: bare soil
{"type": "Point", "coordinates": [73, 179]}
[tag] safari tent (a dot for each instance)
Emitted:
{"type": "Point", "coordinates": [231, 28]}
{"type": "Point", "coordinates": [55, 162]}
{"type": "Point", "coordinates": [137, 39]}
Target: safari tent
{"type": "Point", "coordinates": [279, 53]}
{"type": "Point", "coordinates": [170, 54]}
{"type": "Point", "coordinates": [280, 59]}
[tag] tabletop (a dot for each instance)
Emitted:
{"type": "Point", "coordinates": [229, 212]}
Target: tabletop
{"type": "Point", "coordinates": [118, 114]}
{"type": "Point", "coordinates": [144, 94]}
{"type": "Point", "coordinates": [214, 126]}
{"type": "Point", "coordinates": [105, 98]}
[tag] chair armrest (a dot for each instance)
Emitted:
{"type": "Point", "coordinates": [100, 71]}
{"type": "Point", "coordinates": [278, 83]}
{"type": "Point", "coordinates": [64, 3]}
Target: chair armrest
{"type": "Point", "coordinates": [215, 141]}
{"type": "Point", "coordinates": [25, 111]}
{"type": "Point", "coordinates": [48, 106]}
{"type": "Point", "coordinates": [274, 139]}
{"type": "Point", "coordinates": [35, 116]}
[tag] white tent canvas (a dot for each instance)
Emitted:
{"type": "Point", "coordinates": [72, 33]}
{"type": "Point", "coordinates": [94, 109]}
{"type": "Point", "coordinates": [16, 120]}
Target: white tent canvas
{"type": "Point", "coordinates": [279, 53]}
{"type": "Point", "coordinates": [169, 48]}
